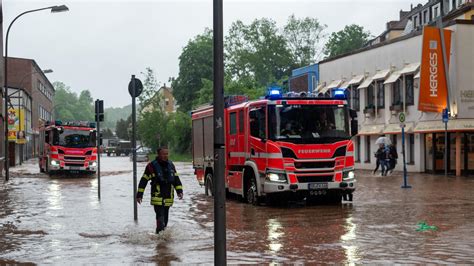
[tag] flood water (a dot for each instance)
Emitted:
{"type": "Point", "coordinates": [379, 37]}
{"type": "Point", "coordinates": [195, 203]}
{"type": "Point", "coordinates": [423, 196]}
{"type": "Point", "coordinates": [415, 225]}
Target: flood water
{"type": "Point", "coordinates": [60, 220]}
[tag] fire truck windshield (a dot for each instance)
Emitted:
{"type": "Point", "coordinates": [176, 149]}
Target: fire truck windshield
{"type": "Point", "coordinates": [74, 138]}
{"type": "Point", "coordinates": [308, 123]}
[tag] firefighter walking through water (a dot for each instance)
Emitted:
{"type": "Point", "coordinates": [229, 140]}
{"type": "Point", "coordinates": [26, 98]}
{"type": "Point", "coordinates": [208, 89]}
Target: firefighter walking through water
{"type": "Point", "coordinates": [164, 180]}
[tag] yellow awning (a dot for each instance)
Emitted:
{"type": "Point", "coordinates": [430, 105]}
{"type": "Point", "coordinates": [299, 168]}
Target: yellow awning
{"type": "Point", "coordinates": [410, 68]}
{"type": "Point", "coordinates": [393, 77]}
{"type": "Point", "coordinates": [396, 129]}
{"type": "Point", "coordinates": [437, 126]}
{"type": "Point", "coordinates": [356, 80]}
{"type": "Point", "coordinates": [334, 84]}
{"type": "Point", "coordinates": [376, 129]}
{"type": "Point", "coordinates": [382, 74]}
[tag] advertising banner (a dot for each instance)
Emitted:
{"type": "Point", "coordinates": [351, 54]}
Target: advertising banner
{"type": "Point", "coordinates": [16, 125]}
{"type": "Point", "coordinates": [433, 85]}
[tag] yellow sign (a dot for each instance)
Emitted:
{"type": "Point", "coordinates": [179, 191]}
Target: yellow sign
{"type": "Point", "coordinates": [16, 125]}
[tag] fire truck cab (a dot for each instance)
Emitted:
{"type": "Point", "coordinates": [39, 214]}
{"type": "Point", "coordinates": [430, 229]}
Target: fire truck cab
{"type": "Point", "coordinates": [280, 148]}
{"type": "Point", "coordinates": [68, 147]}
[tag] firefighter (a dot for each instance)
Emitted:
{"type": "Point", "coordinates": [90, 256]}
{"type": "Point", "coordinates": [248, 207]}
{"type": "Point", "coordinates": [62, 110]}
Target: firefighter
{"type": "Point", "coordinates": [164, 180]}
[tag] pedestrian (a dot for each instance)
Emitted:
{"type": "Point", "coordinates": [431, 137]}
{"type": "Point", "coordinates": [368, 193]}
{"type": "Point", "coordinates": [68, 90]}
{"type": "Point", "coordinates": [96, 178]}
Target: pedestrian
{"type": "Point", "coordinates": [164, 180]}
{"type": "Point", "coordinates": [392, 158]}
{"type": "Point", "coordinates": [379, 158]}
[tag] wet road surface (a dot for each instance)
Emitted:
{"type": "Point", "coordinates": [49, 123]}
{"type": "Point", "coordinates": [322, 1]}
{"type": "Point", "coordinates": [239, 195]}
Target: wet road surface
{"type": "Point", "coordinates": [60, 220]}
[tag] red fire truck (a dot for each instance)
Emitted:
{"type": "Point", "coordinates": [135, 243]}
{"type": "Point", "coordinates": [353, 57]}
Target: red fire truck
{"type": "Point", "coordinates": [68, 147]}
{"type": "Point", "coordinates": [280, 148]}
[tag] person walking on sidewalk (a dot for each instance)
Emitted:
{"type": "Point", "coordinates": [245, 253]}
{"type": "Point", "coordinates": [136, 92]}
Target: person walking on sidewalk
{"type": "Point", "coordinates": [164, 181]}
{"type": "Point", "coordinates": [380, 159]}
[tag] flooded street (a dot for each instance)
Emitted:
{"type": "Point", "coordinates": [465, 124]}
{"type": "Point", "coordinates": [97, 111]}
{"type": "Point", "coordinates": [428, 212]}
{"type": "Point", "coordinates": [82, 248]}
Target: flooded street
{"type": "Point", "coordinates": [60, 220]}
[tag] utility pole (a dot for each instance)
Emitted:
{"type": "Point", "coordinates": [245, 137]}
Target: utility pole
{"type": "Point", "coordinates": [220, 257]}
{"type": "Point", "coordinates": [99, 116]}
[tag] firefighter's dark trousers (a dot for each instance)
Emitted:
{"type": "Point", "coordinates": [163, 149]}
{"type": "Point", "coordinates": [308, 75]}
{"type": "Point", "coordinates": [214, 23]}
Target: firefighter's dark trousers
{"type": "Point", "coordinates": [161, 217]}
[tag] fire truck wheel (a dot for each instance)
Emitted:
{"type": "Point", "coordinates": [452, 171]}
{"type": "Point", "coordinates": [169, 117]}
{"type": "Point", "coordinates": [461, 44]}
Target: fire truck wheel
{"type": "Point", "coordinates": [208, 185]}
{"type": "Point", "coordinates": [252, 193]}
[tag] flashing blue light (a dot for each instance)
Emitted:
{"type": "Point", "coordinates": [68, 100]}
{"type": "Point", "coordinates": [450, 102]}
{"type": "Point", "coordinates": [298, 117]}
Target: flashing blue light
{"type": "Point", "coordinates": [339, 93]}
{"type": "Point", "coordinates": [274, 92]}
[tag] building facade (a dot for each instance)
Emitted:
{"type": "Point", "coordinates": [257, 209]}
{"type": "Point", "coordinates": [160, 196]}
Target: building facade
{"type": "Point", "coordinates": [304, 79]}
{"type": "Point", "coordinates": [382, 80]}
{"type": "Point", "coordinates": [33, 95]}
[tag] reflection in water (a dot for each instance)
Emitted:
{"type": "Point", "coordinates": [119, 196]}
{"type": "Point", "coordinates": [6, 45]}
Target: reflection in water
{"type": "Point", "coordinates": [348, 241]}
{"type": "Point", "coordinates": [275, 233]}
{"type": "Point", "coordinates": [55, 198]}
{"type": "Point", "coordinates": [93, 196]}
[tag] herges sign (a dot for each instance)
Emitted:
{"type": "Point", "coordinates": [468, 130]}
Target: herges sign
{"type": "Point", "coordinates": [433, 85]}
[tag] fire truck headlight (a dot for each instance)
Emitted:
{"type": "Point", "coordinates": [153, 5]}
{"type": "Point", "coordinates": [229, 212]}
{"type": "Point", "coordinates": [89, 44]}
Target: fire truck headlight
{"type": "Point", "coordinates": [348, 175]}
{"type": "Point", "coordinates": [93, 164]}
{"type": "Point", "coordinates": [54, 163]}
{"type": "Point", "coordinates": [276, 177]}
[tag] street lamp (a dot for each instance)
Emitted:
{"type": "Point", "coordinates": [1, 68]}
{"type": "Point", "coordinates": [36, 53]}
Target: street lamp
{"type": "Point", "coordinates": [54, 9]}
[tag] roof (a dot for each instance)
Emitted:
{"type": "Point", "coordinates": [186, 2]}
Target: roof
{"type": "Point", "coordinates": [35, 65]}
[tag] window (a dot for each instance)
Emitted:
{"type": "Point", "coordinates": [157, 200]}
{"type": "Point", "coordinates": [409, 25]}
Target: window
{"type": "Point", "coordinates": [411, 148]}
{"type": "Point", "coordinates": [347, 92]}
{"type": "Point", "coordinates": [233, 123]}
{"type": "Point", "coordinates": [370, 96]}
{"type": "Point", "coordinates": [415, 21]}
{"type": "Point", "coordinates": [167, 102]}
{"type": "Point", "coordinates": [435, 12]}
{"type": "Point", "coordinates": [367, 149]}
{"type": "Point", "coordinates": [425, 17]}
{"type": "Point", "coordinates": [410, 97]}
{"type": "Point", "coordinates": [356, 98]}
{"type": "Point", "coordinates": [241, 121]}
{"type": "Point", "coordinates": [257, 123]}
{"type": "Point", "coordinates": [380, 95]}
{"type": "Point", "coordinates": [393, 138]}
{"type": "Point", "coordinates": [397, 93]}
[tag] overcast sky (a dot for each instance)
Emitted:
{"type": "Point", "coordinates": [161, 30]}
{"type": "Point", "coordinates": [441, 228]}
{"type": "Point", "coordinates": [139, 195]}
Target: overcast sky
{"type": "Point", "coordinates": [98, 45]}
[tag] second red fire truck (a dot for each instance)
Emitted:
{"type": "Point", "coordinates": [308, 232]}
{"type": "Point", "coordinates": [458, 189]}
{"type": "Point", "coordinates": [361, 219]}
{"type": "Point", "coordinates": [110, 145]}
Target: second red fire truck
{"type": "Point", "coordinates": [280, 148]}
{"type": "Point", "coordinates": [68, 147]}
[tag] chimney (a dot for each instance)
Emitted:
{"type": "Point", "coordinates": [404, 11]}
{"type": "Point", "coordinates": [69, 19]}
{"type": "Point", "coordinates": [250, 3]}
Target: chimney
{"type": "Point", "coordinates": [411, 6]}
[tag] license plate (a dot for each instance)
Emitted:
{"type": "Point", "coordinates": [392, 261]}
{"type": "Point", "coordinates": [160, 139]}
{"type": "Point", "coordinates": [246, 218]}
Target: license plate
{"type": "Point", "coordinates": [74, 167]}
{"type": "Point", "coordinates": [317, 186]}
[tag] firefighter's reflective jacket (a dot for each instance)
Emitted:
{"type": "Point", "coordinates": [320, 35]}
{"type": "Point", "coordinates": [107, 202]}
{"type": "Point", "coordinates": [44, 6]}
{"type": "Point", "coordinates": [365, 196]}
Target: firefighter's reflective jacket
{"type": "Point", "coordinates": [164, 180]}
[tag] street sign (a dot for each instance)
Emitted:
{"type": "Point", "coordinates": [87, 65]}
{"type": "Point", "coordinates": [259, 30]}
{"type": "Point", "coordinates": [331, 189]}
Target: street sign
{"type": "Point", "coordinates": [445, 115]}
{"type": "Point", "coordinates": [402, 117]}
{"type": "Point", "coordinates": [138, 87]}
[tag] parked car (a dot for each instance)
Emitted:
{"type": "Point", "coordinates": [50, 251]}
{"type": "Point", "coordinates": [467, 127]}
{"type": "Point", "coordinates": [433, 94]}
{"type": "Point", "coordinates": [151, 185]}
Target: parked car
{"type": "Point", "coordinates": [142, 154]}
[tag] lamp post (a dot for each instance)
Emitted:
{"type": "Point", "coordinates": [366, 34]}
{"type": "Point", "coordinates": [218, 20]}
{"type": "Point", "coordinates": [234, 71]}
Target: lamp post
{"type": "Point", "coordinates": [54, 9]}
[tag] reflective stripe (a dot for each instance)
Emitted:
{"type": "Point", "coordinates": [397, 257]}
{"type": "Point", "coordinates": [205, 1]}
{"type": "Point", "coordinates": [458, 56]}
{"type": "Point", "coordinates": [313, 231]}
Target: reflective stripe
{"type": "Point", "coordinates": [267, 155]}
{"type": "Point", "coordinates": [350, 153]}
{"type": "Point", "coordinates": [147, 177]}
{"type": "Point", "coordinates": [179, 187]}
{"type": "Point", "coordinates": [141, 190]}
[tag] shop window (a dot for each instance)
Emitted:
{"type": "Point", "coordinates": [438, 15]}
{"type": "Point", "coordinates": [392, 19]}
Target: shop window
{"type": "Point", "coordinates": [233, 123]}
{"type": "Point", "coordinates": [380, 95]}
{"type": "Point", "coordinates": [355, 98]}
{"type": "Point", "coordinates": [357, 149]}
{"type": "Point", "coordinates": [410, 97]}
{"type": "Point", "coordinates": [367, 149]}
{"type": "Point", "coordinates": [411, 148]}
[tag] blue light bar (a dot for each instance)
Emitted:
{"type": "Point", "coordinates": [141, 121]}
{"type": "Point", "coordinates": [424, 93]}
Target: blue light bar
{"type": "Point", "coordinates": [339, 93]}
{"type": "Point", "coordinates": [273, 93]}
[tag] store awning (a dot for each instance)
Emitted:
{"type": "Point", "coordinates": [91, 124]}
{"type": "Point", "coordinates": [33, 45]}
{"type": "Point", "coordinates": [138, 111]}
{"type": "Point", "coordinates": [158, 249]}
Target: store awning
{"type": "Point", "coordinates": [417, 76]}
{"type": "Point", "coordinates": [344, 85]}
{"type": "Point", "coordinates": [396, 129]}
{"type": "Point", "coordinates": [410, 68]}
{"type": "Point", "coordinates": [382, 74]}
{"type": "Point", "coordinates": [334, 84]}
{"type": "Point", "coordinates": [376, 129]}
{"type": "Point", "coordinates": [320, 86]}
{"type": "Point", "coordinates": [366, 83]}
{"type": "Point", "coordinates": [356, 80]}
{"type": "Point", "coordinates": [437, 126]}
{"type": "Point", "coordinates": [393, 77]}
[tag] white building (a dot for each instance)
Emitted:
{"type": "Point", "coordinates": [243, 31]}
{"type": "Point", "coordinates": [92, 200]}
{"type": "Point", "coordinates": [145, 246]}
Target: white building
{"type": "Point", "coordinates": [383, 80]}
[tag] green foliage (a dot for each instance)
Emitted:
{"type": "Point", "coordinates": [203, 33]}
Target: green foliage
{"type": "Point", "coordinates": [303, 37]}
{"type": "Point", "coordinates": [107, 133]}
{"type": "Point", "coordinates": [195, 64]}
{"type": "Point", "coordinates": [122, 128]}
{"type": "Point", "coordinates": [114, 114]}
{"type": "Point", "coordinates": [351, 38]}
{"type": "Point", "coordinates": [150, 88]}
{"type": "Point", "coordinates": [68, 106]}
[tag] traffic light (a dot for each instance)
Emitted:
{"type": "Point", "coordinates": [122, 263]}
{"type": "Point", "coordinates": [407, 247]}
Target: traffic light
{"type": "Point", "coordinates": [99, 110]}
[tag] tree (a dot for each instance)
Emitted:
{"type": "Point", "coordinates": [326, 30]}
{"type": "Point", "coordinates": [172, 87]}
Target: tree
{"type": "Point", "coordinates": [195, 64]}
{"type": "Point", "coordinates": [257, 51]}
{"type": "Point", "coordinates": [68, 106]}
{"type": "Point", "coordinates": [122, 128]}
{"type": "Point", "coordinates": [303, 37]}
{"type": "Point", "coordinates": [351, 38]}
{"type": "Point", "coordinates": [150, 87]}
{"type": "Point", "coordinates": [107, 133]}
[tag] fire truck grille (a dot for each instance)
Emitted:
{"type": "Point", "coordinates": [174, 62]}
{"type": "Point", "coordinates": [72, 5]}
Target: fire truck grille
{"type": "Point", "coordinates": [314, 165]}
{"type": "Point", "coordinates": [75, 164]}
{"type": "Point", "coordinates": [309, 179]}
{"type": "Point", "coordinates": [73, 158]}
